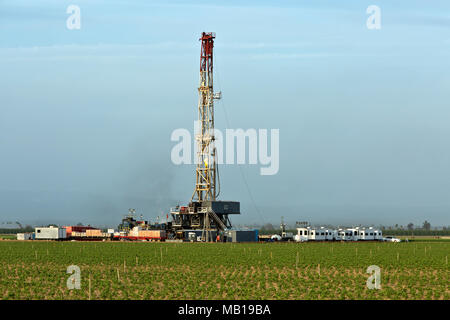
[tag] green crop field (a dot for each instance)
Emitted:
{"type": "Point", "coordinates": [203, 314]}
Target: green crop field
{"type": "Point", "coordinates": [137, 270]}
{"type": "Point", "coordinates": [8, 236]}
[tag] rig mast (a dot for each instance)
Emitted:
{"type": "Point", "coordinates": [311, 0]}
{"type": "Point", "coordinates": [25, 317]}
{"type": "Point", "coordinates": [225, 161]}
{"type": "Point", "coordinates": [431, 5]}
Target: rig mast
{"type": "Point", "coordinates": [205, 216]}
{"type": "Point", "coordinates": [205, 186]}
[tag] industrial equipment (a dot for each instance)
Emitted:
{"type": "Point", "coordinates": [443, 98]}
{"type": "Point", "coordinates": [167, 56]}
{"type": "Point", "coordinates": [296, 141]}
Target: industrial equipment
{"type": "Point", "coordinates": [204, 212]}
{"type": "Point", "coordinates": [132, 229]}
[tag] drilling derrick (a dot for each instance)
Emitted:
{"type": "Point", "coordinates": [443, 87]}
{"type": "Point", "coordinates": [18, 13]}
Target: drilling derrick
{"type": "Point", "coordinates": [205, 214]}
{"type": "Point", "coordinates": [205, 186]}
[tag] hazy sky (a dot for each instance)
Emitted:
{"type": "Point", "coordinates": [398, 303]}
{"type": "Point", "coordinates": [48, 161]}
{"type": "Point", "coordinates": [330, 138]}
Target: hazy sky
{"type": "Point", "coordinates": [364, 115]}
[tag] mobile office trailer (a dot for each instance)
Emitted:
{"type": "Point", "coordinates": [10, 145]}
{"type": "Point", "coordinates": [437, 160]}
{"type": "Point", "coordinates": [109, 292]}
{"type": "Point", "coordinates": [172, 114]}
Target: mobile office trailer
{"type": "Point", "coordinates": [302, 235]}
{"type": "Point", "coordinates": [322, 234]}
{"type": "Point", "coordinates": [50, 233]}
{"type": "Point", "coordinates": [340, 234]}
{"type": "Point", "coordinates": [24, 236]}
{"type": "Point", "coordinates": [311, 234]}
{"type": "Point", "coordinates": [345, 235]}
{"type": "Point", "coordinates": [350, 234]}
{"type": "Point", "coordinates": [353, 234]}
{"type": "Point", "coordinates": [331, 235]}
{"type": "Point", "coordinates": [371, 234]}
{"type": "Point", "coordinates": [378, 235]}
{"type": "Point", "coordinates": [363, 234]}
{"type": "Point", "coordinates": [319, 234]}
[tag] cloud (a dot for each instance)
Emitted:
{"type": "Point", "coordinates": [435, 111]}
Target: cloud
{"type": "Point", "coordinates": [101, 50]}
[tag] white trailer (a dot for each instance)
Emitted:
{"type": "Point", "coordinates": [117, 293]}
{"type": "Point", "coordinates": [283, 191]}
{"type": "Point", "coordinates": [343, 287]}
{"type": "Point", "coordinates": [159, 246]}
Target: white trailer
{"type": "Point", "coordinates": [320, 234]}
{"type": "Point", "coordinates": [354, 234]}
{"type": "Point", "coordinates": [362, 233]}
{"type": "Point", "coordinates": [50, 233]}
{"type": "Point", "coordinates": [312, 234]}
{"type": "Point", "coordinates": [341, 235]}
{"type": "Point", "coordinates": [315, 234]}
{"type": "Point", "coordinates": [371, 234]}
{"type": "Point", "coordinates": [302, 235]}
{"type": "Point", "coordinates": [24, 236]}
{"type": "Point", "coordinates": [347, 234]}
{"type": "Point", "coordinates": [378, 234]}
{"type": "Point", "coordinates": [331, 235]}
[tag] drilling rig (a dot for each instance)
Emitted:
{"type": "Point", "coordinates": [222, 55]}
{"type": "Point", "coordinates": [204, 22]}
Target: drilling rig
{"type": "Point", "coordinates": [204, 212]}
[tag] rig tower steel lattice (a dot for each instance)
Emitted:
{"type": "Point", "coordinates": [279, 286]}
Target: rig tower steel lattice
{"type": "Point", "coordinates": [205, 186]}
{"type": "Point", "coordinates": [205, 216]}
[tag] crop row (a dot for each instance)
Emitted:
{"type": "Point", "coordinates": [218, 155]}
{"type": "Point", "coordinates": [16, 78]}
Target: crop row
{"type": "Point", "coordinates": [38, 270]}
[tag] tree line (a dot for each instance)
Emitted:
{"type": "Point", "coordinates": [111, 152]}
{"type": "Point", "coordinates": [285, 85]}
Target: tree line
{"type": "Point", "coordinates": [16, 230]}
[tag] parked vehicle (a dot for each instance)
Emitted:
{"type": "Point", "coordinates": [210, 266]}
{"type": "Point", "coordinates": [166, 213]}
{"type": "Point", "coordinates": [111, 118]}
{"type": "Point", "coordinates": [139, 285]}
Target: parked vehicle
{"type": "Point", "coordinates": [276, 237]}
{"type": "Point", "coordinates": [391, 239]}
